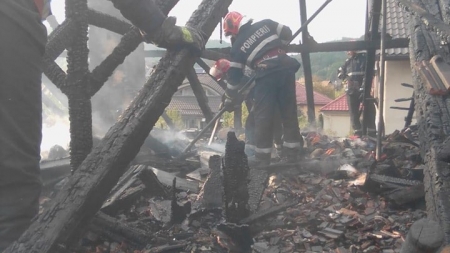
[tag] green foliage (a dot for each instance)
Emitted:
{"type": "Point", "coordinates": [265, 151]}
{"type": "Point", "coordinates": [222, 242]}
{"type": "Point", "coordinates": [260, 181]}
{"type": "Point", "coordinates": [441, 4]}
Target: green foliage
{"type": "Point", "coordinates": [175, 116]}
{"type": "Point", "coordinates": [228, 117]}
{"type": "Point", "coordinates": [324, 64]}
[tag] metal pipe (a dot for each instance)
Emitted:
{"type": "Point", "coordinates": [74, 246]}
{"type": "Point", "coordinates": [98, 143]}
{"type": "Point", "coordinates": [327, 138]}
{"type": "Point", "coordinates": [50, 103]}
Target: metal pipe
{"type": "Point", "coordinates": [380, 127]}
{"type": "Point", "coordinates": [311, 18]}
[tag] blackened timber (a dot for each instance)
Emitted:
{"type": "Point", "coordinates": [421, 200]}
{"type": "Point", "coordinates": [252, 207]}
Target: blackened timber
{"type": "Point", "coordinates": [54, 72]}
{"type": "Point", "coordinates": [306, 62]}
{"type": "Point", "coordinates": [108, 22]}
{"type": "Point", "coordinates": [432, 118]}
{"type": "Point", "coordinates": [375, 10]}
{"type": "Point", "coordinates": [60, 38]}
{"type": "Point", "coordinates": [213, 55]}
{"type": "Point", "coordinates": [442, 29]}
{"type": "Point", "coordinates": [235, 173]}
{"type": "Point", "coordinates": [211, 194]}
{"type": "Point", "coordinates": [206, 68]}
{"type": "Point", "coordinates": [200, 94]}
{"type": "Point", "coordinates": [80, 107]}
{"type": "Point", "coordinates": [76, 204]}
{"type": "Point", "coordinates": [119, 231]}
{"type": "Point", "coordinates": [336, 46]}
{"type": "Point", "coordinates": [129, 42]}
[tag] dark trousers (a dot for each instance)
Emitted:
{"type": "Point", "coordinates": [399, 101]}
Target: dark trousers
{"type": "Point", "coordinates": [272, 92]}
{"type": "Point", "coordinates": [354, 105]}
{"type": "Point", "coordinates": [20, 128]}
{"type": "Point", "coordinates": [250, 126]}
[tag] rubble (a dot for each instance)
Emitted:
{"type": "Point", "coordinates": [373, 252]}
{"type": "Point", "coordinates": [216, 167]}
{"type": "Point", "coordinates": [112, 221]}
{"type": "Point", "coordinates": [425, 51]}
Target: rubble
{"type": "Point", "coordinates": [337, 200]}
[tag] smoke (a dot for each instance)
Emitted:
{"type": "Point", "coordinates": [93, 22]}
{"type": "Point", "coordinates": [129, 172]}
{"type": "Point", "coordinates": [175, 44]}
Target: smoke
{"type": "Point", "coordinates": [55, 131]}
{"type": "Point", "coordinates": [121, 88]}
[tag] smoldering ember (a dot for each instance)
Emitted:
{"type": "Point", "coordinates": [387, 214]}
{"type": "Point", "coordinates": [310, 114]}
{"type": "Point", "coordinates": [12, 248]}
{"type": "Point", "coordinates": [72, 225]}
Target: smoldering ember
{"type": "Point", "coordinates": [148, 171]}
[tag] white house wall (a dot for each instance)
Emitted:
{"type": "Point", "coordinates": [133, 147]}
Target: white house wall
{"type": "Point", "coordinates": [397, 72]}
{"type": "Point", "coordinates": [336, 123]}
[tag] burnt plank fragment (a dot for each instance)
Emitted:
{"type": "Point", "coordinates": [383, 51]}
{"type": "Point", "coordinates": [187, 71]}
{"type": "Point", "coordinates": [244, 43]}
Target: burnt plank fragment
{"type": "Point", "coordinates": [211, 194]}
{"type": "Point", "coordinates": [79, 200]}
{"type": "Point", "coordinates": [200, 94]}
{"type": "Point", "coordinates": [235, 180]}
{"type": "Point", "coordinates": [120, 231]}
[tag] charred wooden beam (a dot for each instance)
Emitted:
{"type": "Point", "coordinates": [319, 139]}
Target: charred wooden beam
{"type": "Point", "coordinates": [108, 22]}
{"type": "Point", "coordinates": [373, 36]}
{"type": "Point", "coordinates": [76, 83]}
{"type": "Point", "coordinates": [211, 194]}
{"type": "Point", "coordinates": [235, 173]}
{"type": "Point", "coordinates": [306, 62]}
{"type": "Point", "coordinates": [178, 212]}
{"type": "Point", "coordinates": [438, 26]}
{"type": "Point", "coordinates": [152, 184]}
{"type": "Point", "coordinates": [433, 120]}
{"type": "Point", "coordinates": [129, 42]}
{"type": "Point", "coordinates": [79, 200]}
{"type": "Point", "coordinates": [54, 73]}
{"type": "Point", "coordinates": [60, 39]}
{"type": "Point", "coordinates": [120, 231]}
{"type": "Point", "coordinates": [200, 94]}
{"type": "Point", "coordinates": [337, 46]}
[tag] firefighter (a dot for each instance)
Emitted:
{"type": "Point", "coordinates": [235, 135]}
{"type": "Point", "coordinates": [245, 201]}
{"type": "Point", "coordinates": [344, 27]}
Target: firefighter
{"type": "Point", "coordinates": [219, 72]}
{"type": "Point", "coordinates": [353, 72]}
{"type": "Point", "coordinates": [156, 27]}
{"type": "Point", "coordinates": [22, 43]}
{"type": "Point", "coordinates": [260, 46]}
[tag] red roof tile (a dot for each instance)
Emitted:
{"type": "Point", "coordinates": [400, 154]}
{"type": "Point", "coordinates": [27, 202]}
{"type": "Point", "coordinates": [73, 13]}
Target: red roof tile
{"type": "Point", "coordinates": [319, 99]}
{"type": "Point", "coordinates": [339, 104]}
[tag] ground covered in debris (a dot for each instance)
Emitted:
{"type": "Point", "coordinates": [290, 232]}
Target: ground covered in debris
{"type": "Point", "coordinates": [337, 199]}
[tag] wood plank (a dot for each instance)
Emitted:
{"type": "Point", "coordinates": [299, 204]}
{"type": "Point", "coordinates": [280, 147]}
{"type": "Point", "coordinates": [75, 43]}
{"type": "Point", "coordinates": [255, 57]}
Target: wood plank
{"type": "Point", "coordinates": [182, 184]}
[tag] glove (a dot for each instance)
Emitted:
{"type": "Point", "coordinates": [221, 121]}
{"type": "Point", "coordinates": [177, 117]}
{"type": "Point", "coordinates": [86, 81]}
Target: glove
{"type": "Point", "coordinates": [230, 99]}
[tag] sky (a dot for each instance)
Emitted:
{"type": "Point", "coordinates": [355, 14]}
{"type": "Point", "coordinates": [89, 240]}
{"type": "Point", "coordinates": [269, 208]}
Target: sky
{"type": "Point", "coordinates": [340, 18]}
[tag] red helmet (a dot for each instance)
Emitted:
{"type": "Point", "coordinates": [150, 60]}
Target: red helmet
{"type": "Point", "coordinates": [220, 68]}
{"type": "Point", "coordinates": [231, 23]}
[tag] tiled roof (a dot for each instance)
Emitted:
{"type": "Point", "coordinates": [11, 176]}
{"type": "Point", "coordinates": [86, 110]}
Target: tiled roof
{"type": "Point", "coordinates": [396, 26]}
{"type": "Point", "coordinates": [188, 105]}
{"type": "Point", "coordinates": [319, 99]}
{"type": "Point", "coordinates": [339, 104]}
{"type": "Point", "coordinates": [205, 79]}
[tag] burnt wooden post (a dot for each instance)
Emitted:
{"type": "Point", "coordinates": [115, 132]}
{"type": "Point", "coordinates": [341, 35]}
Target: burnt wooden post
{"type": "Point", "coordinates": [431, 111]}
{"type": "Point", "coordinates": [235, 180]}
{"type": "Point", "coordinates": [372, 37]}
{"type": "Point", "coordinates": [77, 83]}
{"type": "Point", "coordinates": [424, 236]}
{"type": "Point", "coordinates": [200, 94]}
{"type": "Point", "coordinates": [88, 187]}
{"type": "Point", "coordinates": [306, 62]}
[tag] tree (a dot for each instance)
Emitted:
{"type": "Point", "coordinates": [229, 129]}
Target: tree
{"type": "Point", "coordinates": [228, 117]}
{"type": "Point", "coordinates": [176, 118]}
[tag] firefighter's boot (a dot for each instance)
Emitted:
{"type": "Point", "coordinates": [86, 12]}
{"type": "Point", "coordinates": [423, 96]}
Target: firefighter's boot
{"type": "Point", "coordinates": [173, 36]}
{"type": "Point", "coordinates": [259, 159]}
